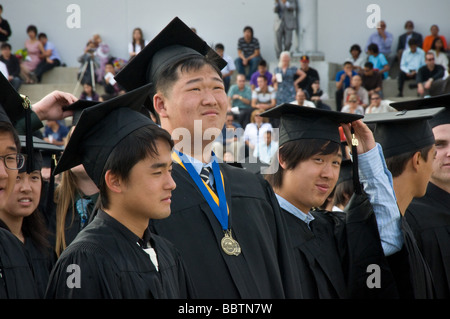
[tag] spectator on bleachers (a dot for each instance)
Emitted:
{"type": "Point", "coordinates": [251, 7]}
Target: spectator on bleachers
{"type": "Point", "coordinates": [404, 38]}
{"type": "Point", "coordinates": [283, 79]}
{"type": "Point", "coordinates": [5, 29]}
{"type": "Point", "coordinates": [377, 105]}
{"type": "Point", "coordinates": [264, 96]}
{"type": "Point", "coordinates": [262, 70]}
{"type": "Point", "coordinates": [311, 74]}
{"type": "Point", "coordinates": [360, 91]}
{"type": "Point", "coordinates": [378, 60]}
{"type": "Point", "coordinates": [248, 53]}
{"type": "Point", "coordinates": [55, 132]}
{"type": "Point", "coordinates": [12, 64]}
{"type": "Point", "coordinates": [254, 131]}
{"type": "Point", "coordinates": [383, 39]}
{"type": "Point", "coordinates": [411, 61]}
{"type": "Point", "coordinates": [427, 74]}
{"type": "Point", "coordinates": [112, 88]}
{"type": "Point", "coordinates": [50, 59]}
{"type": "Point", "coordinates": [267, 148]}
{"type": "Point", "coordinates": [230, 141]}
{"type": "Point", "coordinates": [89, 93]}
{"type": "Point", "coordinates": [371, 79]}
{"type": "Point", "coordinates": [428, 41]}
{"type": "Point", "coordinates": [229, 69]}
{"type": "Point", "coordinates": [353, 106]}
{"type": "Point", "coordinates": [300, 99]}
{"type": "Point", "coordinates": [35, 50]}
{"type": "Point", "coordinates": [101, 54]}
{"type": "Point", "coordinates": [317, 96]}
{"type": "Point", "coordinates": [342, 79]}
{"type": "Point", "coordinates": [137, 43]}
{"type": "Point", "coordinates": [240, 99]}
{"type": "Point", "coordinates": [440, 55]}
{"type": "Point", "coordinates": [357, 57]}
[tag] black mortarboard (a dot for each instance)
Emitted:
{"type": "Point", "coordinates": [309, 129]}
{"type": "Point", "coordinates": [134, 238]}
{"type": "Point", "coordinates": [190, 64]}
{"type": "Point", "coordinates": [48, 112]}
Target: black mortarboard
{"type": "Point", "coordinates": [430, 102]}
{"type": "Point", "coordinates": [39, 147]}
{"type": "Point", "coordinates": [404, 131]}
{"type": "Point", "coordinates": [301, 122]}
{"type": "Point", "coordinates": [78, 107]}
{"type": "Point", "coordinates": [100, 129]}
{"type": "Point", "coordinates": [174, 43]}
{"type": "Point", "coordinates": [14, 107]}
{"type": "Point", "coordinates": [346, 172]}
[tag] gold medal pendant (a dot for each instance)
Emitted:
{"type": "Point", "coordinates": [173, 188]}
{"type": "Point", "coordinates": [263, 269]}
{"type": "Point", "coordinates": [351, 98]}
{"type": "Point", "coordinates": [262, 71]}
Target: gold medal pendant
{"type": "Point", "coordinates": [229, 245]}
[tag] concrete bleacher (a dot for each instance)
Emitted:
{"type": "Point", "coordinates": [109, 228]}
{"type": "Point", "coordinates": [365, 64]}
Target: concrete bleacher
{"type": "Point", "coordinates": [59, 78]}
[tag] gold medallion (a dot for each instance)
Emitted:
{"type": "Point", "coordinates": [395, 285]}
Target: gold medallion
{"type": "Point", "coordinates": [229, 245]}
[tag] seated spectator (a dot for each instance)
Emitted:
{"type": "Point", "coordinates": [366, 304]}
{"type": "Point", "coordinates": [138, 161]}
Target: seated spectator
{"type": "Point", "coordinates": [88, 64]}
{"type": "Point", "coordinates": [440, 56]}
{"type": "Point", "coordinates": [248, 53]}
{"type": "Point", "coordinates": [89, 93]}
{"type": "Point", "coordinates": [50, 59]}
{"type": "Point", "coordinates": [263, 97]}
{"type": "Point", "coordinates": [55, 132]}
{"type": "Point", "coordinates": [35, 50]}
{"type": "Point", "coordinates": [262, 70]}
{"type": "Point", "coordinates": [377, 105]}
{"type": "Point", "coordinates": [383, 39]}
{"type": "Point", "coordinates": [137, 44]}
{"type": "Point", "coordinates": [112, 88]}
{"type": "Point", "coordinates": [378, 60]}
{"type": "Point", "coordinates": [300, 99]}
{"type": "Point", "coordinates": [254, 131]}
{"type": "Point", "coordinates": [240, 98]}
{"type": "Point", "coordinates": [427, 74]}
{"type": "Point", "coordinates": [267, 148]}
{"type": "Point", "coordinates": [371, 79]}
{"type": "Point", "coordinates": [311, 74]}
{"type": "Point", "coordinates": [404, 38]}
{"type": "Point", "coordinates": [352, 106]}
{"type": "Point", "coordinates": [317, 95]}
{"type": "Point", "coordinates": [357, 57]}
{"type": "Point", "coordinates": [101, 54]}
{"type": "Point", "coordinates": [428, 41]}
{"type": "Point", "coordinates": [12, 64]}
{"type": "Point", "coordinates": [229, 69]}
{"type": "Point", "coordinates": [359, 90]}
{"type": "Point", "coordinates": [230, 141]}
{"type": "Point", "coordinates": [342, 79]}
{"type": "Point", "coordinates": [411, 61]}
{"type": "Point", "coordinates": [5, 29]}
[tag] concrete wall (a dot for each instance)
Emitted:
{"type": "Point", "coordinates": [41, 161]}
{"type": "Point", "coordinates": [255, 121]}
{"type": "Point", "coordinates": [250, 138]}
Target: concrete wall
{"type": "Point", "coordinates": [341, 22]}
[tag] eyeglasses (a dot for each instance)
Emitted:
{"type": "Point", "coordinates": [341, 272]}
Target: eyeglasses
{"type": "Point", "coordinates": [13, 161]}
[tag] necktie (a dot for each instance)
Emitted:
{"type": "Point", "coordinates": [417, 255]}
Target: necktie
{"type": "Point", "coordinates": [204, 174]}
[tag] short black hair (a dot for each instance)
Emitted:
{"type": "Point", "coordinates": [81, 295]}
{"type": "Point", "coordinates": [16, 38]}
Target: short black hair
{"type": "Point", "coordinates": [6, 127]}
{"type": "Point", "coordinates": [368, 65]}
{"type": "Point", "coordinates": [5, 45]}
{"type": "Point", "coordinates": [355, 47]}
{"type": "Point", "coordinates": [219, 46]}
{"type": "Point", "coordinates": [32, 28]}
{"type": "Point", "coordinates": [374, 48]}
{"type": "Point", "coordinates": [128, 152]}
{"type": "Point", "coordinates": [396, 164]}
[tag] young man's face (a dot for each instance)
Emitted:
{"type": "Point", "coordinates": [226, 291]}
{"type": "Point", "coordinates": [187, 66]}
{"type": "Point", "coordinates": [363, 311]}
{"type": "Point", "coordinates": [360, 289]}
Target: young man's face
{"type": "Point", "coordinates": [441, 164]}
{"type": "Point", "coordinates": [198, 95]}
{"type": "Point", "coordinates": [311, 182]}
{"type": "Point", "coordinates": [148, 191]}
{"type": "Point", "coordinates": [7, 176]}
{"type": "Point", "coordinates": [24, 199]}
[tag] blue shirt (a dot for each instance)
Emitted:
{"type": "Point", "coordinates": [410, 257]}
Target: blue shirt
{"type": "Point", "coordinates": [384, 46]}
{"type": "Point", "coordinates": [412, 61]}
{"type": "Point", "coordinates": [379, 62]}
{"type": "Point", "coordinates": [307, 218]}
{"type": "Point", "coordinates": [55, 54]}
{"type": "Point", "coordinates": [347, 79]}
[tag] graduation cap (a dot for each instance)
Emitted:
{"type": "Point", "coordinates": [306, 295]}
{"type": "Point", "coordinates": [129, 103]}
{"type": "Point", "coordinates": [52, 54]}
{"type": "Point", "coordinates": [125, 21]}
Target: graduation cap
{"type": "Point", "coordinates": [425, 103]}
{"type": "Point", "coordinates": [13, 107]}
{"type": "Point", "coordinates": [39, 148]}
{"type": "Point", "coordinates": [173, 44]}
{"type": "Point", "coordinates": [78, 107]}
{"type": "Point", "coordinates": [404, 131]}
{"type": "Point", "coordinates": [100, 128]}
{"type": "Point", "coordinates": [301, 122]}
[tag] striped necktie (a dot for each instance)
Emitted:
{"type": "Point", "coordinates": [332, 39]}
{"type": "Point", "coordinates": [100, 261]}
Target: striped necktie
{"type": "Point", "coordinates": [204, 174]}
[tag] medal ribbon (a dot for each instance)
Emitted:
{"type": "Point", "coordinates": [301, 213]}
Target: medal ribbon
{"type": "Point", "coordinates": [217, 203]}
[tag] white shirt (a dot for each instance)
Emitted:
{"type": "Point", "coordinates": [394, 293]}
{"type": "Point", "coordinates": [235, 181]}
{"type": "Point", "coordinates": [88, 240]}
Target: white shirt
{"type": "Point", "coordinates": [4, 69]}
{"type": "Point", "coordinates": [305, 103]}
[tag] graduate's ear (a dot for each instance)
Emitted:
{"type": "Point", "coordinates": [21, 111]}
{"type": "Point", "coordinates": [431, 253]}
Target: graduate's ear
{"type": "Point", "coordinates": [281, 161]}
{"type": "Point", "coordinates": [159, 103]}
{"type": "Point", "coordinates": [416, 161]}
{"type": "Point", "coordinates": [113, 182]}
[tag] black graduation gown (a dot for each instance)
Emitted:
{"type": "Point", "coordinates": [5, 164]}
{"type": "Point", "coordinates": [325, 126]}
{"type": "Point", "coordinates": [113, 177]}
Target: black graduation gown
{"type": "Point", "coordinates": [264, 269]}
{"type": "Point", "coordinates": [16, 275]}
{"type": "Point", "coordinates": [429, 219]}
{"type": "Point", "coordinates": [112, 265]}
{"type": "Point", "coordinates": [411, 271]}
{"type": "Point", "coordinates": [321, 254]}
{"type": "Point", "coordinates": [42, 261]}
